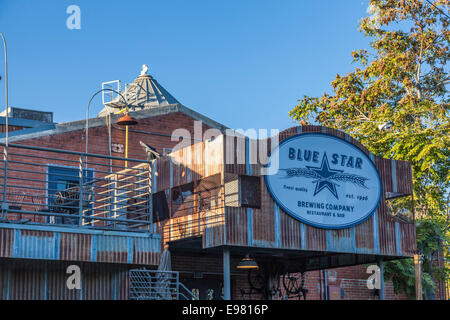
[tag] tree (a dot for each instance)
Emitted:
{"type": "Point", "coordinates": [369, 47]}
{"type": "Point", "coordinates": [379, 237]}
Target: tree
{"type": "Point", "coordinates": [401, 77]}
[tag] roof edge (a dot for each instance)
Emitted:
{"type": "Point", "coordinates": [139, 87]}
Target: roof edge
{"type": "Point", "coordinates": [99, 121]}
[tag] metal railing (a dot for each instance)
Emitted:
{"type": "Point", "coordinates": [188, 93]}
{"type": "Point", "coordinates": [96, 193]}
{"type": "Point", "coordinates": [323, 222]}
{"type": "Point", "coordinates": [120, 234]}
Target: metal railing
{"type": "Point", "coordinates": [157, 285]}
{"type": "Point", "coordinates": [195, 211]}
{"type": "Point", "coordinates": [59, 187]}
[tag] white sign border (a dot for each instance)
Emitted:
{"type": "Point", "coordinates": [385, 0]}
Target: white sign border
{"type": "Point", "coordinates": [324, 226]}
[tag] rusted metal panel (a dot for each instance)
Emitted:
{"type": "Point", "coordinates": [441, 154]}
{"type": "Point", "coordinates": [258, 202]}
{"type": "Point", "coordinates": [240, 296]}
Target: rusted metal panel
{"type": "Point", "coordinates": [75, 247]}
{"type": "Point", "coordinates": [270, 226]}
{"type": "Point", "coordinates": [162, 173]}
{"type": "Point", "coordinates": [290, 132]}
{"type": "Point", "coordinates": [315, 238]}
{"type": "Point", "coordinates": [6, 242]}
{"type": "Point", "coordinates": [214, 156]}
{"type": "Point", "coordinates": [386, 227]}
{"type": "Point", "coordinates": [69, 246]}
{"type": "Point", "coordinates": [364, 238]}
{"type": "Point", "coordinates": [26, 284]}
{"type": "Point", "coordinates": [290, 232]}
{"type": "Point", "coordinates": [342, 240]}
{"type": "Point", "coordinates": [237, 226]}
{"type": "Point", "coordinates": [198, 161]}
{"type": "Point", "coordinates": [146, 251]}
{"type": "Point", "coordinates": [38, 280]}
{"type": "Point", "coordinates": [213, 233]}
{"type": "Point", "coordinates": [36, 244]}
{"type": "Point", "coordinates": [98, 286]}
{"type": "Point", "coordinates": [403, 177]}
{"type": "Point", "coordinates": [192, 163]}
{"type": "Point", "coordinates": [57, 288]}
{"type": "Point", "coordinates": [408, 232]}
{"type": "Point", "coordinates": [236, 151]}
{"type": "Point", "coordinates": [112, 249]}
{"type": "Point", "coordinates": [183, 159]}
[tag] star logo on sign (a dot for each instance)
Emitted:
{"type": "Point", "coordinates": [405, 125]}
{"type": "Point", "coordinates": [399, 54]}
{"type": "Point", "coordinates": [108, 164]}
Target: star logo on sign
{"type": "Point", "coordinates": [325, 173]}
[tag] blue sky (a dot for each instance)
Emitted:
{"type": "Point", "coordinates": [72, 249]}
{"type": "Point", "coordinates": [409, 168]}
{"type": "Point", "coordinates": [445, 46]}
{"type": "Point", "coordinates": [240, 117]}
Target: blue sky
{"type": "Point", "coordinates": [242, 63]}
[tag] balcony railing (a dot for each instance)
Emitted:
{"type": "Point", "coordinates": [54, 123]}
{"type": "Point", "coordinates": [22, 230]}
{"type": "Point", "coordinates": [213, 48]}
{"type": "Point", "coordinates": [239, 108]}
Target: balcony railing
{"type": "Point", "coordinates": [76, 189]}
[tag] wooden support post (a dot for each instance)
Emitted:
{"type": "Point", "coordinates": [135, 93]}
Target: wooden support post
{"type": "Point", "coordinates": [226, 274]}
{"type": "Point", "coordinates": [418, 274]}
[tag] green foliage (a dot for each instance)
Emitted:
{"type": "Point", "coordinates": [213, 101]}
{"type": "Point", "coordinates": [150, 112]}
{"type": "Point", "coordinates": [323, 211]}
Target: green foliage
{"type": "Point", "coordinates": [401, 78]}
{"type": "Point", "coordinates": [402, 272]}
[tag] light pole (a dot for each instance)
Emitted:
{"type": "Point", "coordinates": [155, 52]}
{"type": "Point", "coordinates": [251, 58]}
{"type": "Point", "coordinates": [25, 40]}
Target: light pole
{"type": "Point", "coordinates": [4, 203]}
{"type": "Point", "coordinates": [89, 104]}
{"type": "Point", "coordinates": [6, 88]}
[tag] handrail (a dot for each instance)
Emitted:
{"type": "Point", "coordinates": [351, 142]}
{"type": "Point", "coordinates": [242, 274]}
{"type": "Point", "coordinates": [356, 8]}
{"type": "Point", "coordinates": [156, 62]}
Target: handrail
{"type": "Point", "coordinates": [157, 285]}
{"type": "Point", "coordinates": [191, 294]}
{"type": "Point", "coordinates": [51, 186]}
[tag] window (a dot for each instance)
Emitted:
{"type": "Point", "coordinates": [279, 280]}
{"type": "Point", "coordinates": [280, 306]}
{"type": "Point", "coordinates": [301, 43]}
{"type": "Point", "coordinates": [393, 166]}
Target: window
{"type": "Point", "coordinates": [63, 191]}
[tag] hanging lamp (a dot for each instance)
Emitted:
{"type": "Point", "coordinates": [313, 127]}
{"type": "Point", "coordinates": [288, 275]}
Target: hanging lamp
{"type": "Point", "coordinates": [247, 263]}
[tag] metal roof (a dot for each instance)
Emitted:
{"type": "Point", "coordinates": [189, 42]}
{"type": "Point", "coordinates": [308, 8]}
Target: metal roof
{"type": "Point", "coordinates": [143, 93]}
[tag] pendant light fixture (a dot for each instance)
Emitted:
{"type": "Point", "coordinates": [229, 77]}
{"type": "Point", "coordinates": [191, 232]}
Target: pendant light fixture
{"type": "Point", "coordinates": [247, 263]}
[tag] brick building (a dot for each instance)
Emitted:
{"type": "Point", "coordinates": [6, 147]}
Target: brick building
{"type": "Point", "coordinates": [108, 207]}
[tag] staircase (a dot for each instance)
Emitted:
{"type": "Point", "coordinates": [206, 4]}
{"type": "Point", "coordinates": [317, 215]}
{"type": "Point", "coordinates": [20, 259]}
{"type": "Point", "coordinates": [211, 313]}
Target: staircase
{"type": "Point", "coordinates": [157, 285]}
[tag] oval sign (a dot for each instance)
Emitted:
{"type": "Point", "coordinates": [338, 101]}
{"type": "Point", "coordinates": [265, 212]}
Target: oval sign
{"type": "Point", "coordinates": [324, 181]}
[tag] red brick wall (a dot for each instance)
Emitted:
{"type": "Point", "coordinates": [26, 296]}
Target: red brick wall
{"type": "Point", "coordinates": [98, 144]}
{"type": "Point", "coordinates": [98, 136]}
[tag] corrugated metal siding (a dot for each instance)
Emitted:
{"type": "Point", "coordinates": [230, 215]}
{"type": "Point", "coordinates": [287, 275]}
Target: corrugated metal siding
{"type": "Point", "coordinates": [213, 234]}
{"type": "Point", "coordinates": [291, 232]}
{"type": "Point", "coordinates": [315, 238]}
{"type": "Point", "coordinates": [192, 163]}
{"type": "Point", "coordinates": [146, 251]}
{"type": "Point", "coordinates": [36, 244]}
{"type": "Point", "coordinates": [377, 235]}
{"type": "Point", "coordinates": [364, 238]}
{"type": "Point", "coordinates": [237, 225]}
{"type": "Point", "coordinates": [26, 284]}
{"type": "Point", "coordinates": [57, 288]}
{"type": "Point", "coordinates": [34, 280]}
{"type": "Point", "coordinates": [56, 245]}
{"type": "Point", "coordinates": [112, 249]}
{"type": "Point", "coordinates": [6, 242]}
{"type": "Point", "coordinates": [75, 247]}
{"type": "Point", "coordinates": [270, 226]}
{"type": "Point", "coordinates": [98, 286]}
{"type": "Point", "coordinates": [386, 227]}
{"type": "Point", "coordinates": [264, 221]}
